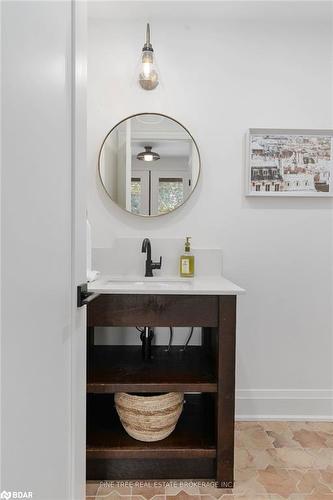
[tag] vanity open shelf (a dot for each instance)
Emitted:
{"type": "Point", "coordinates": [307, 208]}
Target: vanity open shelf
{"type": "Point", "coordinates": [121, 369]}
{"type": "Point", "coordinates": [202, 444]}
{"type": "Point", "coordinates": [106, 438]}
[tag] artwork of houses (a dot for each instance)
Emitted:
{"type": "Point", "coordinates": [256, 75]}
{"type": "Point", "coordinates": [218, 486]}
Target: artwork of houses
{"type": "Point", "coordinates": [290, 163]}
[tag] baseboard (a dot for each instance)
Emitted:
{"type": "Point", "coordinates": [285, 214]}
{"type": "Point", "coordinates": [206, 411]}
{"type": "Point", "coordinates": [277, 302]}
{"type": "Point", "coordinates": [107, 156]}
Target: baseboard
{"type": "Point", "coordinates": [284, 404]}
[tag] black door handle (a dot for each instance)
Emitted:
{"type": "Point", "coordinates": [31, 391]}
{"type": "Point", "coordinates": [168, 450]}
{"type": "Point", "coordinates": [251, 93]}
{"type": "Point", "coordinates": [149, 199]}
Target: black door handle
{"type": "Point", "coordinates": [83, 296]}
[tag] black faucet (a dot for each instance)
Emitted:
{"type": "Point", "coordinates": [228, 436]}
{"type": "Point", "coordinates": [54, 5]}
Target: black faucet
{"type": "Point", "coordinates": [150, 265]}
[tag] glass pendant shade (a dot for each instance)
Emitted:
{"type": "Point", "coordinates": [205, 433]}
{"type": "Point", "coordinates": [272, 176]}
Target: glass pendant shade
{"type": "Point", "coordinates": [148, 155]}
{"type": "Point", "coordinates": [148, 77]}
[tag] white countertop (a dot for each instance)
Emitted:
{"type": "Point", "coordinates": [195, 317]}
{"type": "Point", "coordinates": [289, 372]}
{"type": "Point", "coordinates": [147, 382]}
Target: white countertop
{"type": "Point", "coordinates": [165, 285]}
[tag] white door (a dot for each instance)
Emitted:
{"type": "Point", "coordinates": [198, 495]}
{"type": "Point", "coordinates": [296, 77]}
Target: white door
{"type": "Point", "coordinates": [42, 250]}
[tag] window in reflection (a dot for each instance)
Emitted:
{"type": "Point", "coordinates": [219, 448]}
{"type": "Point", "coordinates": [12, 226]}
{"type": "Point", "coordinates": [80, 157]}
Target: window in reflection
{"type": "Point", "coordinates": [170, 194]}
{"type": "Point", "coordinates": [135, 195]}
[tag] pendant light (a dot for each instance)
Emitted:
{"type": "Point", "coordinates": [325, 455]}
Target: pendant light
{"type": "Point", "coordinates": [148, 77]}
{"type": "Point", "coordinates": [148, 155]}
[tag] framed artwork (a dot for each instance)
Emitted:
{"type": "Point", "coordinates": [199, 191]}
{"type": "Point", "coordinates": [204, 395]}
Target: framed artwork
{"type": "Point", "coordinates": [282, 162]}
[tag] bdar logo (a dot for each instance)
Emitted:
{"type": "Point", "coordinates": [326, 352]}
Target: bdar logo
{"type": "Point", "coordinates": [6, 495]}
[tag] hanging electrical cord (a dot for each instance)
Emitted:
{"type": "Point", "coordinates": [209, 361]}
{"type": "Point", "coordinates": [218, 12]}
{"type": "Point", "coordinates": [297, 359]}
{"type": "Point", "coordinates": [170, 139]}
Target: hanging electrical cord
{"type": "Point", "coordinates": [168, 349]}
{"type": "Point", "coordinates": [170, 340]}
{"type": "Point", "coordinates": [188, 338]}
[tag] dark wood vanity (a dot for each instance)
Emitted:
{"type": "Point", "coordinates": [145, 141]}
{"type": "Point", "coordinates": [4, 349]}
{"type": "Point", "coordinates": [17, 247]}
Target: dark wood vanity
{"type": "Point", "coordinates": [202, 445]}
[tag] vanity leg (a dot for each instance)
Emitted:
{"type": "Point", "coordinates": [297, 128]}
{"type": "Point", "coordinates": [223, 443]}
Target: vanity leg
{"type": "Point", "coordinates": [206, 333]}
{"type": "Point", "coordinates": [90, 344]}
{"type": "Point", "coordinates": [90, 337]}
{"type": "Point", "coordinates": [225, 401]}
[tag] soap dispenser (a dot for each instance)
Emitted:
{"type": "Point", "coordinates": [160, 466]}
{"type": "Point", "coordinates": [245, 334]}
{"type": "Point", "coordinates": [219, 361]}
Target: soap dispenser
{"type": "Point", "coordinates": [186, 262]}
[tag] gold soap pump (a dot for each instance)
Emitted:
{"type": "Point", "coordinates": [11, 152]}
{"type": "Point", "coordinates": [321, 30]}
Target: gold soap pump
{"type": "Point", "coordinates": [186, 261]}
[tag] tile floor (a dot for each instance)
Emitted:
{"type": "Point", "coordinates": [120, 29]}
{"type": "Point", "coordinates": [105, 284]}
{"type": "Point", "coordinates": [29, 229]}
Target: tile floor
{"type": "Point", "coordinates": [273, 460]}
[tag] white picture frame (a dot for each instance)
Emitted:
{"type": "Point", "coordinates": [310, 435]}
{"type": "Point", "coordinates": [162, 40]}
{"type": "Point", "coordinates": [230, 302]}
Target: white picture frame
{"type": "Point", "coordinates": [289, 162]}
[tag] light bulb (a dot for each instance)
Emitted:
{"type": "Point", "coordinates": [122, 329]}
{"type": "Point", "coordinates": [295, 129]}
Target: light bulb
{"type": "Point", "coordinates": [148, 77]}
{"type": "Point", "coordinates": [148, 154]}
{"type": "Point", "coordinates": [147, 63]}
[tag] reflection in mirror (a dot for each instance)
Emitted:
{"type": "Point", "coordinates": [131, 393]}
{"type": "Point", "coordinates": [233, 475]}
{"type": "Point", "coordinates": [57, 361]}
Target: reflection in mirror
{"type": "Point", "coordinates": [149, 164]}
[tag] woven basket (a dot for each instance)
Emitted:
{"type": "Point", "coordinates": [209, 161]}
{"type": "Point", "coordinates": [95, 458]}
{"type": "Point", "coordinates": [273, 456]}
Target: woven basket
{"type": "Point", "coordinates": [149, 418]}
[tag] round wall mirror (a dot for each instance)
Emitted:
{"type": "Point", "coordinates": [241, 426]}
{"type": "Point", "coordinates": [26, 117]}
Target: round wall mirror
{"type": "Point", "coordinates": [149, 164]}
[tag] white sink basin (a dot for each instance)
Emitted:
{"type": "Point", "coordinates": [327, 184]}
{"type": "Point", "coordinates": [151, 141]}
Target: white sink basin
{"type": "Point", "coordinates": [149, 283]}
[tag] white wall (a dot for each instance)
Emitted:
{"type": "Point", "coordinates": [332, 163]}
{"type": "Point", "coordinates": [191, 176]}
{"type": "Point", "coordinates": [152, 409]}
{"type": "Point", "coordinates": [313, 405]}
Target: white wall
{"type": "Point", "coordinates": [227, 67]}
